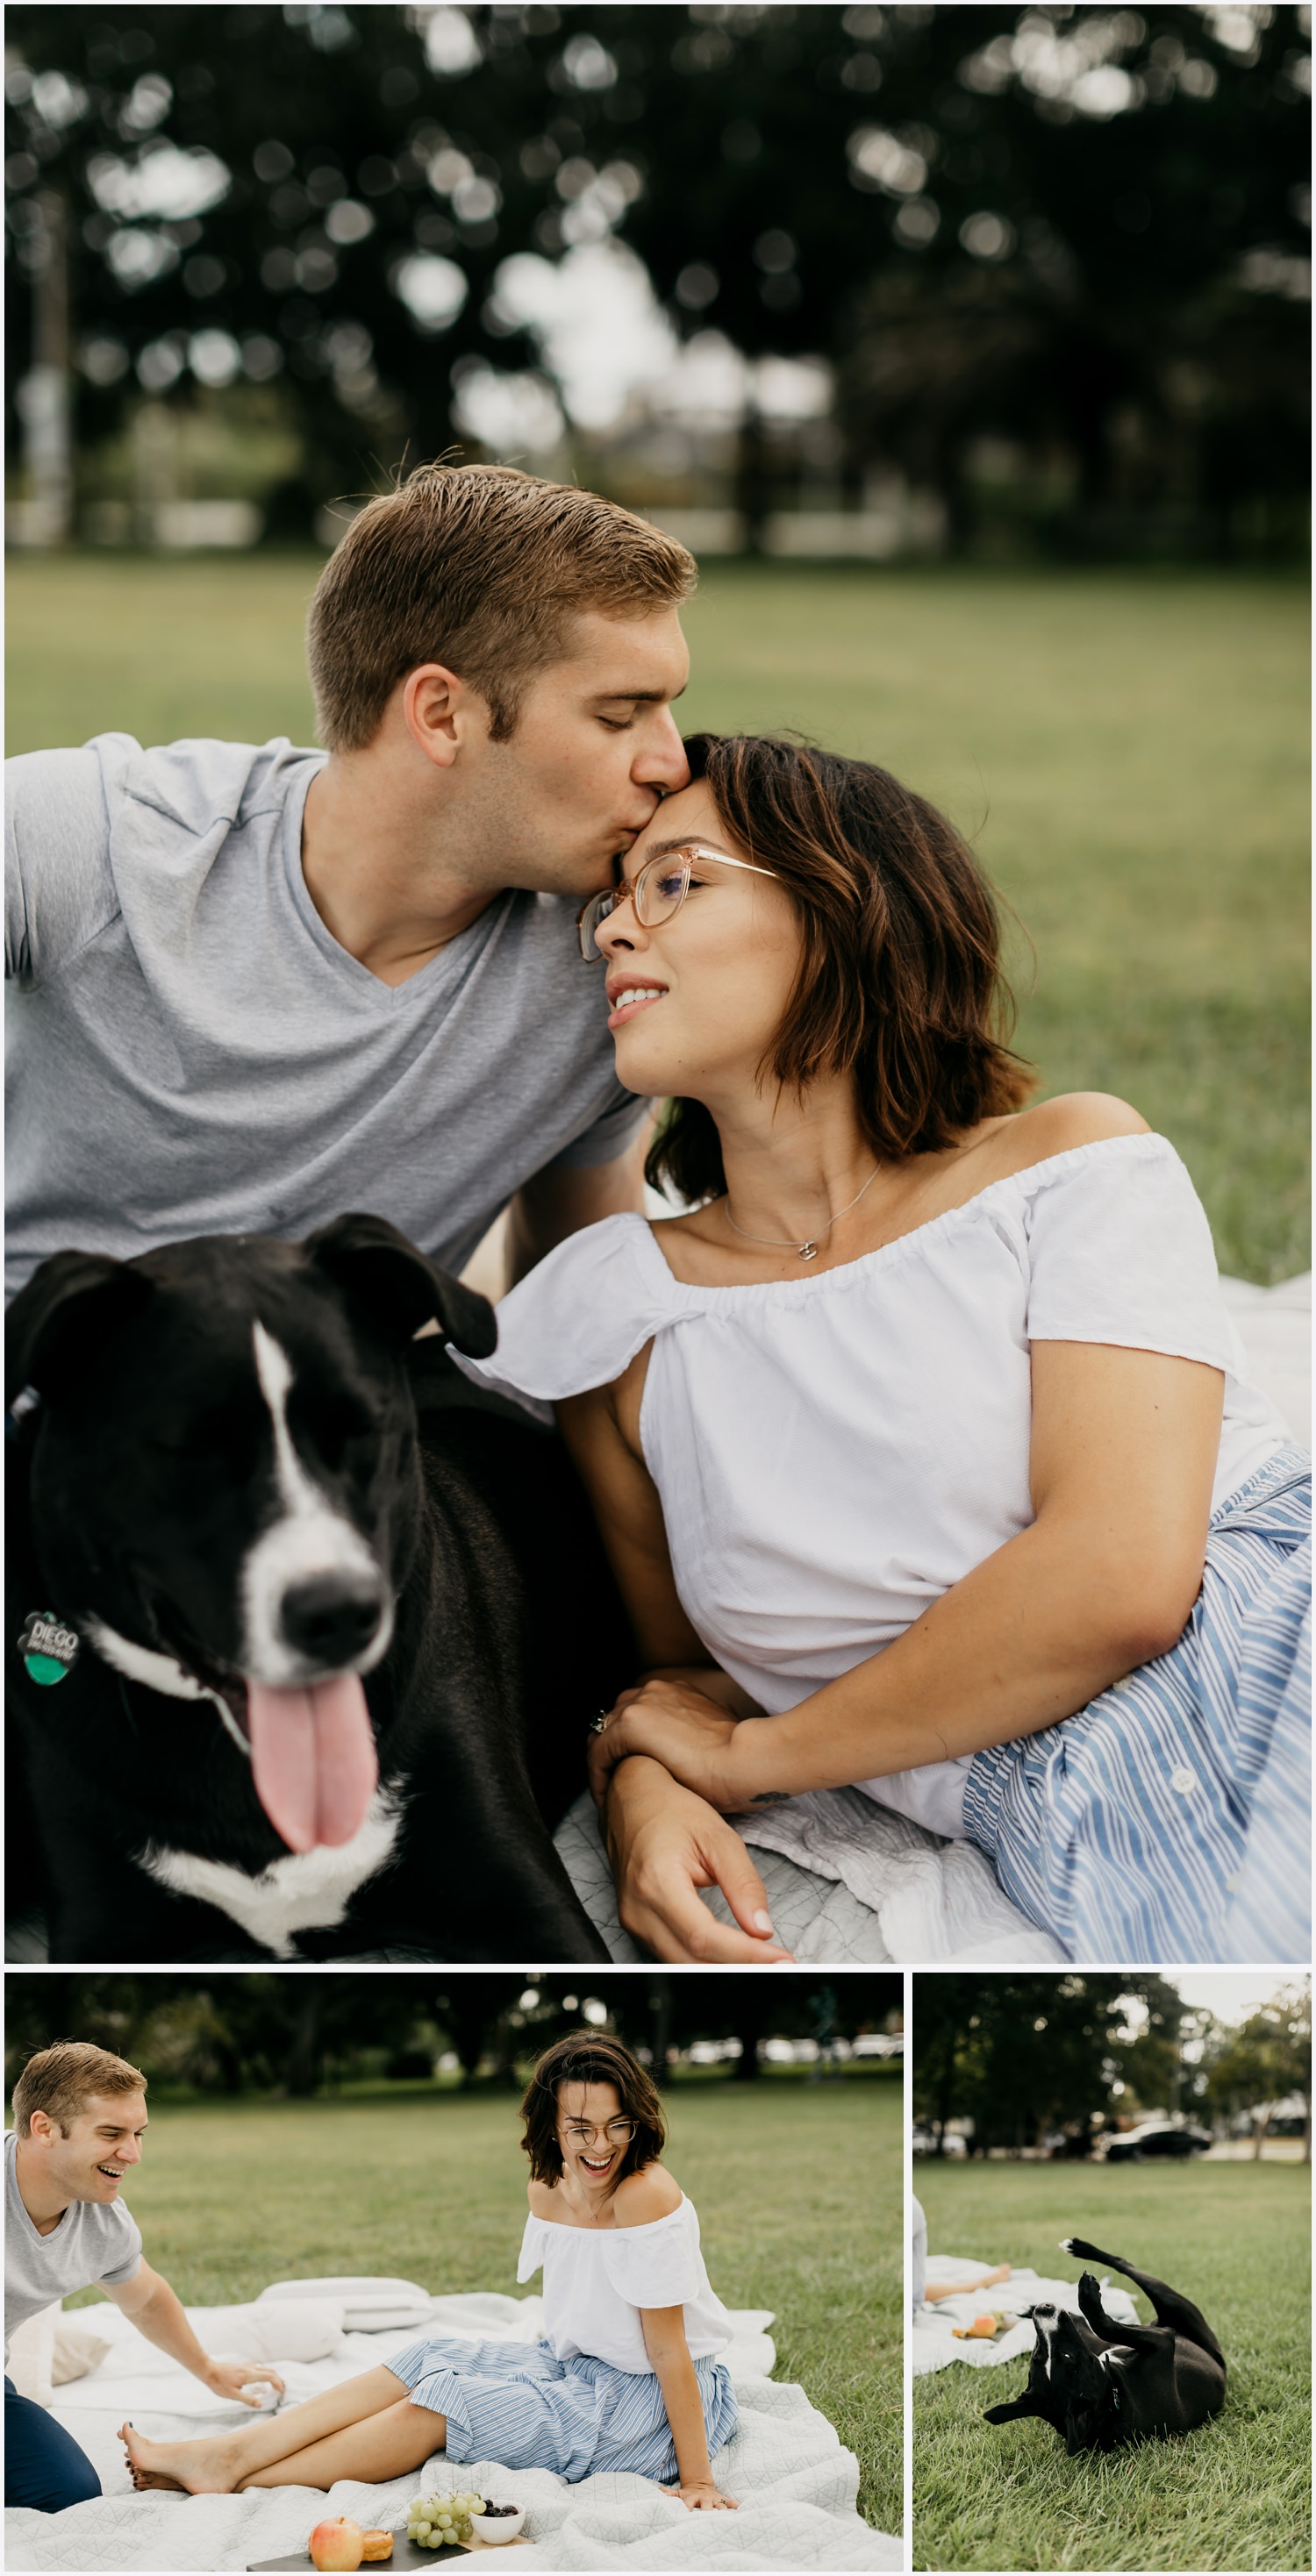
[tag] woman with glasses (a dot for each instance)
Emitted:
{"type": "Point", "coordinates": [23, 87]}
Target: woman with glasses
{"type": "Point", "coordinates": [920, 1441]}
{"type": "Point", "coordinates": [626, 2374]}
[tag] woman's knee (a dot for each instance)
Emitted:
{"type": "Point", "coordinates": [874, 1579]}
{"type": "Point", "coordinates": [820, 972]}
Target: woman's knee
{"type": "Point", "coordinates": [422, 2429]}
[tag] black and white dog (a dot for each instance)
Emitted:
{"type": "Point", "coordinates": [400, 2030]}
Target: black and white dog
{"type": "Point", "coordinates": [1101, 2384]}
{"type": "Point", "coordinates": [292, 1673]}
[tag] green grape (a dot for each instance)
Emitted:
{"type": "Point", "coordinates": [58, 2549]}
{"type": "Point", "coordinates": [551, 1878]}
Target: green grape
{"type": "Point", "coordinates": [477, 2504]}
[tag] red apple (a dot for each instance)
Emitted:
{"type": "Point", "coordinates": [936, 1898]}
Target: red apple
{"type": "Point", "coordinates": [337, 2545]}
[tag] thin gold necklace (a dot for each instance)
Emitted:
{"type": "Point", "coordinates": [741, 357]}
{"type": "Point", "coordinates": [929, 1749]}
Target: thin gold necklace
{"type": "Point", "coordinates": [805, 1251]}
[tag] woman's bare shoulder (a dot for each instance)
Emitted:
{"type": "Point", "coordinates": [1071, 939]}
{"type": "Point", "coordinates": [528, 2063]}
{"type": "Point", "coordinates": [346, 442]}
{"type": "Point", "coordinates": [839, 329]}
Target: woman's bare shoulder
{"type": "Point", "coordinates": [641, 2197]}
{"type": "Point", "coordinates": [540, 2198]}
{"type": "Point", "coordinates": [1057, 1126]}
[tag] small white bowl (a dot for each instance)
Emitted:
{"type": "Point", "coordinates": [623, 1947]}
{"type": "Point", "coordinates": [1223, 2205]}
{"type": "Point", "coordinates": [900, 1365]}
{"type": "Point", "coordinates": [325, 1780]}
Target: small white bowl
{"type": "Point", "coordinates": [504, 2526]}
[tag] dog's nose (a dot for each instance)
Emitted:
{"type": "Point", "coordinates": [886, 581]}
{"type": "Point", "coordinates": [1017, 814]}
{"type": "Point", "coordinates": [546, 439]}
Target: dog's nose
{"type": "Point", "coordinates": [330, 1618]}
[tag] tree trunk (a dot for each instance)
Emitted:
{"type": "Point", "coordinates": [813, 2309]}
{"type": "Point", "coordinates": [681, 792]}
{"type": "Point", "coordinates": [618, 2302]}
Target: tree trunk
{"type": "Point", "coordinates": [1259, 2134]}
{"type": "Point", "coordinates": [45, 394]}
{"type": "Point", "coordinates": [752, 494]}
{"type": "Point", "coordinates": [304, 2044]}
{"type": "Point", "coordinates": [660, 2026]}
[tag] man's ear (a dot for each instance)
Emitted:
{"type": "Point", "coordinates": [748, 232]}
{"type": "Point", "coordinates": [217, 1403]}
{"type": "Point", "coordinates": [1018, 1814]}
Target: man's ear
{"type": "Point", "coordinates": [58, 1324]}
{"type": "Point", "coordinates": [399, 1287]}
{"type": "Point", "coordinates": [436, 708]}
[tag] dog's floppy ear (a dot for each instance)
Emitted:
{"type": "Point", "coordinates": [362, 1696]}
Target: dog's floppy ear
{"type": "Point", "coordinates": [58, 1323]}
{"type": "Point", "coordinates": [400, 1287]}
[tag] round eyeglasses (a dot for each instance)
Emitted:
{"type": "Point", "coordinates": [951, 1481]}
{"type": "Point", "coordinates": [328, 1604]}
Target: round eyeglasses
{"type": "Point", "coordinates": [617, 2133]}
{"type": "Point", "coordinates": [656, 891]}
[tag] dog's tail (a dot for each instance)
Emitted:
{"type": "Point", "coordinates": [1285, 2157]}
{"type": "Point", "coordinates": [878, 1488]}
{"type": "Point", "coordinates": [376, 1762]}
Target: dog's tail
{"type": "Point", "coordinates": [1172, 2308]}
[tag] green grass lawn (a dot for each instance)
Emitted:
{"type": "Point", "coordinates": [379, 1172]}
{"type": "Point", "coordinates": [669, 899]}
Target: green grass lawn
{"type": "Point", "coordinates": [798, 2191]}
{"type": "Point", "coordinates": [1236, 2493]}
{"type": "Point", "coordinates": [1129, 750]}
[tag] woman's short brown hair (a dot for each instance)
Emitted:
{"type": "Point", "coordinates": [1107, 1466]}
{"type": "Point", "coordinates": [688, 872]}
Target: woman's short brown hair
{"type": "Point", "coordinates": [481, 568]}
{"type": "Point", "coordinates": [900, 981]}
{"type": "Point", "coordinates": [587, 2057]}
{"type": "Point", "coordinates": [61, 2080]}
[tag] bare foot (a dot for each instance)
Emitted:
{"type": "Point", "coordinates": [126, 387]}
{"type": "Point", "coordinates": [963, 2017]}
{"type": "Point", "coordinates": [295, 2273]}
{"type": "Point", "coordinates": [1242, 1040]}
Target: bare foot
{"type": "Point", "coordinates": [198, 2468]}
{"type": "Point", "coordinates": [1001, 2273]}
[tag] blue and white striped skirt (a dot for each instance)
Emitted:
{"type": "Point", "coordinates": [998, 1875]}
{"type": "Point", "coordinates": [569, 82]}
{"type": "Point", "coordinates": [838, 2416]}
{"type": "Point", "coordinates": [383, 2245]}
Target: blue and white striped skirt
{"type": "Point", "coordinates": [518, 2404]}
{"type": "Point", "coordinates": [1171, 1818]}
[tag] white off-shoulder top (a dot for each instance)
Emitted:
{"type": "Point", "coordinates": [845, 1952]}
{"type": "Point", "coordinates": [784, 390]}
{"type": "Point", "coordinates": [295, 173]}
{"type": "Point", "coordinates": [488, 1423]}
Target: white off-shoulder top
{"type": "Point", "coordinates": [833, 1452]}
{"type": "Point", "coordinates": [596, 2280]}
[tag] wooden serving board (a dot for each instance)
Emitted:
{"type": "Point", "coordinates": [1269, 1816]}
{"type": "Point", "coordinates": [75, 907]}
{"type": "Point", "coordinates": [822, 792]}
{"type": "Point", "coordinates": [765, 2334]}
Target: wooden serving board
{"type": "Point", "coordinates": [405, 2554]}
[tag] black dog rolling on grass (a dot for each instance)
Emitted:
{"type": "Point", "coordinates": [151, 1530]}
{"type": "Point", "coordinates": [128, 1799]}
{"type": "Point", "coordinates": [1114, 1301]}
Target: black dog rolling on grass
{"type": "Point", "coordinates": [320, 1625]}
{"type": "Point", "coordinates": [1101, 2384]}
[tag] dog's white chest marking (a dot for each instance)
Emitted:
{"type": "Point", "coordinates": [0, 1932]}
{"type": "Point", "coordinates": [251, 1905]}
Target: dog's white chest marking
{"type": "Point", "coordinates": [306, 1892]}
{"type": "Point", "coordinates": [308, 1537]}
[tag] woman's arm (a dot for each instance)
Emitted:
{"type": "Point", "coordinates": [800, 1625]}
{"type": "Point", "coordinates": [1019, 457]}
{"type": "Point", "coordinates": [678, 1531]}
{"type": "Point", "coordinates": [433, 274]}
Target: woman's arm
{"type": "Point", "coordinates": [602, 1431]}
{"type": "Point", "coordinates": [1124, 1446]}
{"type": "Point", "coordinates": [665, 2343]}
{"type": "Point", "coordinates": [664, 1845]}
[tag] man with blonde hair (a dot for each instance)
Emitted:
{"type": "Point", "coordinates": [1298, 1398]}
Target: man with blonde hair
{"type": "Point", "coordinates": [262, 987]}
{"type": "Point", "coordinates": [79, 2121]}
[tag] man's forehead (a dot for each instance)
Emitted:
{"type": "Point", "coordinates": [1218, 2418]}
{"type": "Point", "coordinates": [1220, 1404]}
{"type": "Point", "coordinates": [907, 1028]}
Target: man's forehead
{"type": "Point", "coordinates": [628, 657]}
{"type": "Point", "coordinates": [115, 2110]}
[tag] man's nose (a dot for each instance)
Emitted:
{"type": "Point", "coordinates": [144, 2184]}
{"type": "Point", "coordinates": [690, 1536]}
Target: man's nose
{"type": "Point", "coordinates": [661, 761]}
{"type": "Point", "coordinates": [129, 2155]}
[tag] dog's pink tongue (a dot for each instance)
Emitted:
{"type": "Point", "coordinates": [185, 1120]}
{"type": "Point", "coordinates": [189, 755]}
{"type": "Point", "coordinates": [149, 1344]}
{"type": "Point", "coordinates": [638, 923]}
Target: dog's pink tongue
{"type": "Point", "coordinates": [313, 1759]}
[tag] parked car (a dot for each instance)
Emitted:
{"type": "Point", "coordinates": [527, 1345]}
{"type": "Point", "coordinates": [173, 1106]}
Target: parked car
{"type": "Point", "coordinates": [1156, 2138]}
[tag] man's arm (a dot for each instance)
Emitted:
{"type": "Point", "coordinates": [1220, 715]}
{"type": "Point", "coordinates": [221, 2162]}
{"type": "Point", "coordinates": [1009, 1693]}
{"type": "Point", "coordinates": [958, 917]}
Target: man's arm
{"type": "Point", "coordinates": [157, 2312]}
{"type": "Point", "coordinates": [559, 1201]}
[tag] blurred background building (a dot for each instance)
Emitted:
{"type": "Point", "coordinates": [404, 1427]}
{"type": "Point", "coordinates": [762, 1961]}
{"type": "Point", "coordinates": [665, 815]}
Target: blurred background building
{"type": "Point", "coordinates": [997, 282]}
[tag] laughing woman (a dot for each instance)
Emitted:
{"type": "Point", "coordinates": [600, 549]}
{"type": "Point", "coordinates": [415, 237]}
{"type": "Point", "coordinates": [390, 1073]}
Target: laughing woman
{"type": "Point", "coordinates": [625, 2376]}
{"type": "Point", "coordinates": [921, 1443]}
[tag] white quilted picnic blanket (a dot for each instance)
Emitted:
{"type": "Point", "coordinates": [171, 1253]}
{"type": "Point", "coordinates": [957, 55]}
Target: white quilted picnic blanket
{"type": "Point", "coordinates": [933, 2341]}
{"type": "Point", "coordinates": [796, 2484]}
{"type": "Point", "coordinates": [847, 1881]}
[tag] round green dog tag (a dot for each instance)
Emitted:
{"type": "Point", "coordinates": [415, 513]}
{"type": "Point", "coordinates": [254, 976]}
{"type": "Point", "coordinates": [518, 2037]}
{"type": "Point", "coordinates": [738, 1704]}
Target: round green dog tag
{"type": "Point", "coordinates": [49, 1649]}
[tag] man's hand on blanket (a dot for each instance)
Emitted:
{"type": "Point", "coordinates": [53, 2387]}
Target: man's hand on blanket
{"type": "Point", "coordinates": [681, 1726]}
{"type": "Point", "coordinates": [701, 2496]}
{"type": "Point", "coordinates": [237, 2378]}
{"type": "Point", "coordinates": [664, 1846]}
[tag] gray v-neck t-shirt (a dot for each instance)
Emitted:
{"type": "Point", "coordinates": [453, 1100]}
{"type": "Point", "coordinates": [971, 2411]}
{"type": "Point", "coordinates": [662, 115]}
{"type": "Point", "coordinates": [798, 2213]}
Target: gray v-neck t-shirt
{"type": "Point", "coordinates": [92, 2246]}
{"type": "Point", "coordinates": [190, 1051]}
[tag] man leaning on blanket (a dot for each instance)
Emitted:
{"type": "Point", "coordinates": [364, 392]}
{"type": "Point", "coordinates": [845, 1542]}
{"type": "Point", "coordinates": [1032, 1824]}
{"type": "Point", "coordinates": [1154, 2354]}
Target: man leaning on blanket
{"type": "Point", "coordinates": [79, 2120]}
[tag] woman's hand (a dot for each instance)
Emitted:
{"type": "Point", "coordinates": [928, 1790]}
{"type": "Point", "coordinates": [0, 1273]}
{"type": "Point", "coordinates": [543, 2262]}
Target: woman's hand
{"type": "Point", "coordinates": [679, 1725]}
{"type": "Point", "coordinates": [700, 2495]}
{"type": "Point", "coordinates": [664, 1846]}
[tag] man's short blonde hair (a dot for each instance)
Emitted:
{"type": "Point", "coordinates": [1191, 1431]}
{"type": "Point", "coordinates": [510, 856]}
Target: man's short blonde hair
{"type": "Point", "coordinates": [481, 568]}
{"type": "Point", "coordinates": [61, 2080]}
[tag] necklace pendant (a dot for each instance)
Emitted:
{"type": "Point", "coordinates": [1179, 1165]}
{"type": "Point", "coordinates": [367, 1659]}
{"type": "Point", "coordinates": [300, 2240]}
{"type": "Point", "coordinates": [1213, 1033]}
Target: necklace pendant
{"type": "Point", "coordinates": [808, 1252]}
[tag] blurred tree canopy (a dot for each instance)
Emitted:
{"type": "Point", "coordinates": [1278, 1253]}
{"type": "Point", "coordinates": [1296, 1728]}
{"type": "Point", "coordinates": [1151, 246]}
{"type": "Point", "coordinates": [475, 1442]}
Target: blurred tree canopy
{"type": "Point", "coordinates": [260, 2030]}
{"type": "Point", "coordinates": [1267, 2057]}
{"type": "Point", "coordinates": [1018, 2055]}
{"type": "Point", "coordinates": [1084, 230]}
